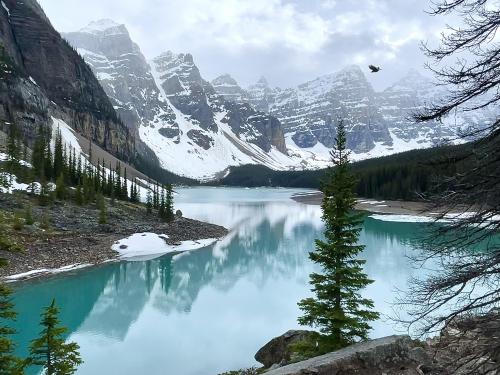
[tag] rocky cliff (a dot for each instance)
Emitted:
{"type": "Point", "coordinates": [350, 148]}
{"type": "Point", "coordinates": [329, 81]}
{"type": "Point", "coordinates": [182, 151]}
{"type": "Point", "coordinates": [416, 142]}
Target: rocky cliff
{"type": "Point", "coordinates": [43, 76]}
{"type": "Point", "coordinates": [192, 129]}
{"type": "Point", "coordinates": [378, 123]}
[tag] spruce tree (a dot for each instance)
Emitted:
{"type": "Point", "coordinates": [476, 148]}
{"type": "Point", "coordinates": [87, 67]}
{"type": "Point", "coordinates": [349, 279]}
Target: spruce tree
{"type": "Point", "coordinates": [124, 193]}
{"type": "Point", "coordinates": [58, 167]}
{"type": "Point", "coordinates": [79, 195]}
{"type": "Point", "coordinates": [101, 204]}
{"type": "Point", "coordinates": [169, 204]}
{"type": "Point", "coordinates": [9, 364]}
{"type": "Point", "coordinates": [49, 350]}
{"type": "Point", "coordinates": [149, 199]}
{"type": "Point", "coordinates": [338, 309]}
{"type": "Point", "coordinates": [13, 150]}
{"type": "Point", "coordinates": [161, 205]}
{"type": "Point", "coordinates": [28, 215]}
{"type": "Point", "coordinates": [61, 188]}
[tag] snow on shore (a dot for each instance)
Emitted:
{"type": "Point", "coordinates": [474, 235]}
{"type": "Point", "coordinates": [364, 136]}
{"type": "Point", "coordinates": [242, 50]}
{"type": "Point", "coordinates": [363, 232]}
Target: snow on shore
{"type": "Point", "coordinates": [403, 218]}
{"type": "Point", "coordinates": [45, 271]}
{"type": "Point", "coordinates": [146, 246]}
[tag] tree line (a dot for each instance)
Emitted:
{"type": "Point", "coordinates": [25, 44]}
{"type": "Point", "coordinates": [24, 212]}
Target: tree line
{"type": "Point", "coordinates": [57, 168]}
{"type": "Point", "coordinates": [405, 176]}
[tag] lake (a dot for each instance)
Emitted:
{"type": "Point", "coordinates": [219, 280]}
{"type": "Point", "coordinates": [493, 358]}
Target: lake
{"type": "Point", "coordinates": [210, 310]}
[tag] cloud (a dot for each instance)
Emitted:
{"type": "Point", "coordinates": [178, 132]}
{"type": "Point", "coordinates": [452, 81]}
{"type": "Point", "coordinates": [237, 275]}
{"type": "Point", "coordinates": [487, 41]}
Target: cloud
{"type": "Point", "coordinates": [288, 41]}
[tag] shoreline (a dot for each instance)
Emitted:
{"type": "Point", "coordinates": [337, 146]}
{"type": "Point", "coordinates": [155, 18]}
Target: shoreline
{"type": "Point", "coordinates": [58, 253]}
{"type": "Point", "coordinates": [74, 239]}
{"type": "Point", "coordinates": [371, 205]}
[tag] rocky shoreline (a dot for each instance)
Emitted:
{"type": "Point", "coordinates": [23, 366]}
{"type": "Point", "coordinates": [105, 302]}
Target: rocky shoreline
{"type": "Point", "coordinates": [372, 205]}
{"type": "Point", "coordinates": [74, 237]}
{"type": "Point", "coordinates": [465, 346]}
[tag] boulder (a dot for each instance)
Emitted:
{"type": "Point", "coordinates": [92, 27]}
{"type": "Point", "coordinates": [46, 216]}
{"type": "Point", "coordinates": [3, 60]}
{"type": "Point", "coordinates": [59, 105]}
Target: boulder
{"type": "Point", "coordinates": [277, 351]}
{"type": "Point", "coordinates": [393, 355]}
{"type": "Point", "coordinates": [178, 214]}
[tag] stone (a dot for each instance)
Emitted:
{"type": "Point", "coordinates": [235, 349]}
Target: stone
{"type": "Point", "coordinates": [388, 355]}
{"type": "Point", "coordinates": [178, 214]}
{"type": "Point", "coordinates": [277, 351]}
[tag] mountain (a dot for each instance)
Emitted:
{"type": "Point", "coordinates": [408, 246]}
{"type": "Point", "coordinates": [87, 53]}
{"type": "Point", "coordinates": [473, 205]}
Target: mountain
{"type": "Point", "coordinates": [310, 111]}
{"type": "Point", "coordinates": [228, 88]}
{"type": "Point", "coordinates": [378, 123]}
{"type": "Point", "coordinates": [42, 77]}
{"type": "Point", "coordinates": [193, 130]}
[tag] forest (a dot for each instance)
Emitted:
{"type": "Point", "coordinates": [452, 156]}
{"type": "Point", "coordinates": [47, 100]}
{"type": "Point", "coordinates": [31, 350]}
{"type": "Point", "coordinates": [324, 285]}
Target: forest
{"type": "Point", "coordinates": [404, 176]}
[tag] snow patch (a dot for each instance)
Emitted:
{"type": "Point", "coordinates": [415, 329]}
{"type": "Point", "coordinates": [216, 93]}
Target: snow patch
{"type": "Point", "coordinates": [146, 246]}
{"type": "Point", "coordinates": [6, 9]}
{"type": "Point", "coordinates": [45, 271]}
{"type": "Point", "coordinates": [404, 218]}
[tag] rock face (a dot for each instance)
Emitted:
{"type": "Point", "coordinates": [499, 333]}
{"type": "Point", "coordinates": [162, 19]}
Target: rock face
{"type": "Point", "coordinates": [310, 112]}
{"type": "Point", "coordinates": [228, 88]}
{"type": "Point", "coordinates": [394, 355]}
{"type": "Point", "coordinates": [277, 351]}
{"type": "Point", "coordinates": [193, 130]}
{"type": "Point", "coordinates": [44, 76]}
{"type": "Point", "coordinates": [378, 123]}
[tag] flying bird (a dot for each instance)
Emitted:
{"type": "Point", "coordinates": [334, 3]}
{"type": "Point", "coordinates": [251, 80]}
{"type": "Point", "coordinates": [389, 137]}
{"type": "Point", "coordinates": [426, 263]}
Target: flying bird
{"type": "Point", "coordinates": [374, 68]}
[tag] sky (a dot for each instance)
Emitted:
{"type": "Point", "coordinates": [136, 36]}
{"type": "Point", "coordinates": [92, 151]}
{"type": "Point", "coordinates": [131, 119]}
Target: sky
{"type": "Point", "coordinates": [287, 41]}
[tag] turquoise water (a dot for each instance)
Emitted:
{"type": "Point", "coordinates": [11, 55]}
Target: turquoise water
{"type": "Point", "coordinates": [208, 311]}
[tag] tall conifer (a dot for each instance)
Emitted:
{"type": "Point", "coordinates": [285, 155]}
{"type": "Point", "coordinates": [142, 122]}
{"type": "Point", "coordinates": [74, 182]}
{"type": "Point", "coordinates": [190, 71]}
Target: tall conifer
{"type": "Point", "coordinates": [339, 310]}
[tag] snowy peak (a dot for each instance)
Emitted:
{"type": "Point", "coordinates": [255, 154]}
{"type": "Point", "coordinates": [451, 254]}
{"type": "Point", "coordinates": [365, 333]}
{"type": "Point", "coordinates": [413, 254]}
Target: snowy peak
{"type": "Point", "coordinates": [178, 72]}
{"type": "Point", "coordinates": [227, 87]}
{"type": "Point", "coordinates": [104, 26]}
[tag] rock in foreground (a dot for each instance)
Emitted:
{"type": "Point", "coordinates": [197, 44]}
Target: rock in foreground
{"type": "Point", "coordinates": [389, 356]}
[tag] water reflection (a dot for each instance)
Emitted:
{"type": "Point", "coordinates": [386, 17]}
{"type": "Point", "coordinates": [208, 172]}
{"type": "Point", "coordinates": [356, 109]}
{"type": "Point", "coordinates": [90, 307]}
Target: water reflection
{"type": "Point", "coordinates": [209, 310]}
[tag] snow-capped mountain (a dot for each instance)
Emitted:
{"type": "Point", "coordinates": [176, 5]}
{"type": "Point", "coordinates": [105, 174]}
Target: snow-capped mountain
{"type": "Point", "coordinates": [378, 123]}
{"type": "Point", "coordinates": [192, 129]}
{"type": "Point", "coordinates": [198, 128]}
{"type": "Point", "coordinates": [227, 87]}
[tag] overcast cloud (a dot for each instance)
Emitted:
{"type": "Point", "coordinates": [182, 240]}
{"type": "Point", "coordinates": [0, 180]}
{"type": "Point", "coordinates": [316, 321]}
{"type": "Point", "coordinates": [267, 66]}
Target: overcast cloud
{"type": "Point", "coordinates": [287, 41]}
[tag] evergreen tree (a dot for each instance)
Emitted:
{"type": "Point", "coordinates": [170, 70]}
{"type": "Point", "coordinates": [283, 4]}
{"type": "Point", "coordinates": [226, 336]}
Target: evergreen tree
{"type": "Point", "coordinates": [161, 205]}
{"type": "Point", "coordinates": [79, 195]}
{"type": "Point", "coordinates": [156, 199]}
{"type": "Point", "coordinates": [169, 204]}
{"type": "Point", "coordinates": [338, 308]}
{"type": "Point", "coordinates": [9, 364]}
{"type": "Point", "coordinates": [103, 215]}
{"type": "Point", "coordinates": [124, 193]}
{"type": "Point", "coordinates": [58, 167]}
{"type": "Point", "coordinates": [28, 215]}
{"type": "Point", "coordinates": [118, 181]}
{"type": "Point", "coordinates": [13, 150]}
{"type": "Point", "coordinates": [61, 188]}
{"type": "Point", "coordinates": [49, 350]}
{"type": "Point", "coordinates": [38, 155]}
{"type": "Point", "coordinates": [149, 198]}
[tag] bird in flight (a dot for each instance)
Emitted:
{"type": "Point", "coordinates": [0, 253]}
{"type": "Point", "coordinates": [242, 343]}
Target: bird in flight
{"type": "Point", "coordinates": [374, 68]}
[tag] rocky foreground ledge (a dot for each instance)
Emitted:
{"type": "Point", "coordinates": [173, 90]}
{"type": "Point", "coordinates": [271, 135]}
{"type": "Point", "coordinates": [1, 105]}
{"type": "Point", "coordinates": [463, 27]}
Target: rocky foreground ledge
{"type": "Point", "coordinates": [68, 236]}
{"type": "Point", "coordinates": [467, 346]}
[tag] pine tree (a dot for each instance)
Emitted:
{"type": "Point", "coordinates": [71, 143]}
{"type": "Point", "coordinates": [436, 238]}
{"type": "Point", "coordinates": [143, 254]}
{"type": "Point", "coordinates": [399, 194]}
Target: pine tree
{"type": "Point", "coordinates": [118, 181]}
{"type": "Point", "coordinates": [103, 215]}
{"type": "Point", "coordinates": [58, 168]}
{"type": "Point", "coordinates": [338, 309]}
{"type": "Point", "coordinates": [13, 151]}
{"type": "Point", "coordinates": [61, 188]}
{"type": "Point", "coordinates": [28, 215]}
{"type": "Point", "coordinates": [49, 350]}
{"type": "Point", "coordinates": [149, 199]}
{"type": "Point", "coordinates": [124, 194]}
{"type": "Point", "coordinates": [79, 195]}
{"type": "Point", "coordinates": [156, 199]}
{"type": "Point", "coordinates": [169, 204]}
{"type": "Point", "coordinates": [161, 205]}
{"type": "Point", "coordinates": [9, 364]}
